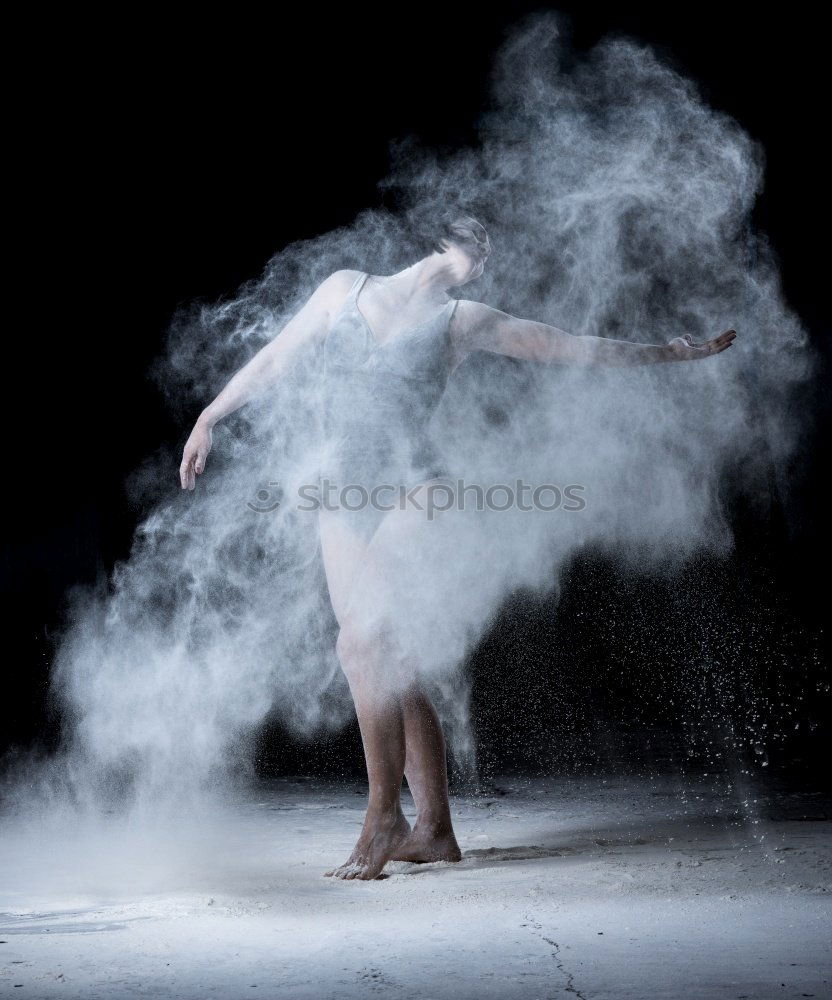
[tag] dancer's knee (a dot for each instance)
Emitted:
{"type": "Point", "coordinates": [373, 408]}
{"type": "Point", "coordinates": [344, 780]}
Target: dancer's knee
{"type": "Point", "coordinates": [359, 650]}
{"type": "Point", "coordinates": [371, 657]}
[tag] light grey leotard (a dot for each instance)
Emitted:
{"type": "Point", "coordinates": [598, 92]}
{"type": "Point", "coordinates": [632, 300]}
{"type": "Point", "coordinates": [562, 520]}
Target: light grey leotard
{"type": "Point", "coordinates": [378, 399]}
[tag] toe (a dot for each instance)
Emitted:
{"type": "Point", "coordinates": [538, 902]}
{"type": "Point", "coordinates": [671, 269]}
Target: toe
{"type": "Point", "coordinates": [341, 870]}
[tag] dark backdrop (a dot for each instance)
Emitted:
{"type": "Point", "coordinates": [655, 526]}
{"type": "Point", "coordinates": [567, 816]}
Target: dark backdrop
{"type": "Point", "coordinates": [154, 163]}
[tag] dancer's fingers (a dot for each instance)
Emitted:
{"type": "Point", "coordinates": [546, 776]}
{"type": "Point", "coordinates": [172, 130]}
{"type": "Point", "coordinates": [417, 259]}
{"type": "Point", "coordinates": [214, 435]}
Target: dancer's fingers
{"type": "Point", "coordinates": [725, 338]}
{"type": "Point", "coordinates": [721, 345]}
{"type": "Point", "coordinates": [185, 474]}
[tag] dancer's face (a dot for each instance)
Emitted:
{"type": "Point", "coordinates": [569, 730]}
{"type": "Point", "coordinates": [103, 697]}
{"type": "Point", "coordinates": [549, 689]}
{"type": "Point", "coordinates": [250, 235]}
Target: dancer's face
{"type": "Point", "coordinates": [464, 264]}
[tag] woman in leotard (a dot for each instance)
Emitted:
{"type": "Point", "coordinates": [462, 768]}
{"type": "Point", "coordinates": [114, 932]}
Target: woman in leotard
{"type": "Point", "coordinates": [390, 343]}
{"type": "Point", "coordinates": [378, 395]}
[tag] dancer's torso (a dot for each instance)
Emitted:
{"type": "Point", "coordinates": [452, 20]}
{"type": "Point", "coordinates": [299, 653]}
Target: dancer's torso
{"type": "Point", "coordinates": [379, 397]}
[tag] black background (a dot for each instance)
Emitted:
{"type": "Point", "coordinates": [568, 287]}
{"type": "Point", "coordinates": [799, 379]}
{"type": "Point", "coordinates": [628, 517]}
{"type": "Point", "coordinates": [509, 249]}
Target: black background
{"type": "Point", "coordinates": [155, 163]}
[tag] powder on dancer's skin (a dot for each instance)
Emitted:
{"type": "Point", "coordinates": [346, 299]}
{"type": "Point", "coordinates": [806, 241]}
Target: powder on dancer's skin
{"type": "Point", "coordinates": [618, 204]}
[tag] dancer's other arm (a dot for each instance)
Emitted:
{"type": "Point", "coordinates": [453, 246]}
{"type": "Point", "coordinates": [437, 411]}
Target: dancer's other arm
{"type": "Point", "coordinates": [309, 323]}
{"type": "Point", "coordinates": [483, 328]}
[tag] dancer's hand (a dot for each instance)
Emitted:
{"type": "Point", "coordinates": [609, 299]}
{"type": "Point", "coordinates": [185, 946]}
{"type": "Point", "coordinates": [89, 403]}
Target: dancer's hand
{"type": "Point", "coordinates": [196, 452]}
{"type": "Point", "coordinates": [684, 349]}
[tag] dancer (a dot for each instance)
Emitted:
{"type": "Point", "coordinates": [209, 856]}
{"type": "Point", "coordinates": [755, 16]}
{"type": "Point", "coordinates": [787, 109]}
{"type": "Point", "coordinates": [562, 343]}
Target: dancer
{"type": "Point", "coordinates": [390, 344]}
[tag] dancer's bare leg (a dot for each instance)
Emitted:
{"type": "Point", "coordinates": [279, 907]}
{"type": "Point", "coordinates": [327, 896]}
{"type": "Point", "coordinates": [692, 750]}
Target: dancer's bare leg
{"type": "Point", "coordinates": [380, 719]}
{"type": "Point", "coordinates": [426, 770]}
{"type": "Point", "coordinates": [400, 731]}
{"type": "Point", "coordinates": [381, 722]}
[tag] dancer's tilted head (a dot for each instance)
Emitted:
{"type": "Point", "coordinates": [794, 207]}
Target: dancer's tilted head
{"type": "Point", "coordinates": [462, 242]}
{"type": "Point", "coordinates": [464, 237]}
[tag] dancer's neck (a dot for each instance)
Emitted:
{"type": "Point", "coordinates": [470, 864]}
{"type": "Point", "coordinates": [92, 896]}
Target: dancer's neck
{"type": "Point", "coordinates": [427, 278]}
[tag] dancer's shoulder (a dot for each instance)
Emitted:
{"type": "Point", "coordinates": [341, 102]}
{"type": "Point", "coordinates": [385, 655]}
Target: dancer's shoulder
{"type": "Point", "coordinates": [346, 277]}
{"type": "Point", "coordinates": [469, 317]}
{"type": "Point", "coordinates": [337, 286]}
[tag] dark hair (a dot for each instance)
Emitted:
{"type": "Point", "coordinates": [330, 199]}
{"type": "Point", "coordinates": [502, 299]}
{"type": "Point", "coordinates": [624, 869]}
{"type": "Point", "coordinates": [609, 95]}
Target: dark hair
{"type": "Point", "coordinates": [432, 235]}
{"type": "Point", "coordinates": [464, 231]}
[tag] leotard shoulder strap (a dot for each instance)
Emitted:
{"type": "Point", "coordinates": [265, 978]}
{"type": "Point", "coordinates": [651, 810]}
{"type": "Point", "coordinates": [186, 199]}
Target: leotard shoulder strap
{"type": "Point", "coordinates": [359, 281]}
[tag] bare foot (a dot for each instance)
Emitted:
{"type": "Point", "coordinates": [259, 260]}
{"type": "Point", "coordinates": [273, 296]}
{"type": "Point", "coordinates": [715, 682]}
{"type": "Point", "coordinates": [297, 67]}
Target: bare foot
{"type": "Point", "coordinates": [428, 843]}
{"type": "Point", "coordinates": [377, 845]}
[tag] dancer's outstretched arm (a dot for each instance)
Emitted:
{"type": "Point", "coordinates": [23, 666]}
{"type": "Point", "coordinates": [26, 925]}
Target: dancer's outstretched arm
{"type": "Point", "coordinates": [482, 328]}
{"type": "Point", "coordinates": [309, 323]}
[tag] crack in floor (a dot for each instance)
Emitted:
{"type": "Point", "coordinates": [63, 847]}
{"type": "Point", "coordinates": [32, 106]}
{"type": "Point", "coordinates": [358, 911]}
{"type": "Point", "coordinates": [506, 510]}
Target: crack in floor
{"type": "Point", "coordinates": [569, 984]}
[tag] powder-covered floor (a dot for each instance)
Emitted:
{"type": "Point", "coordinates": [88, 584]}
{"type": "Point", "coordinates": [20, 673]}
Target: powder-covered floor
{"type": "Point", "coordinates": [624, 887]}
